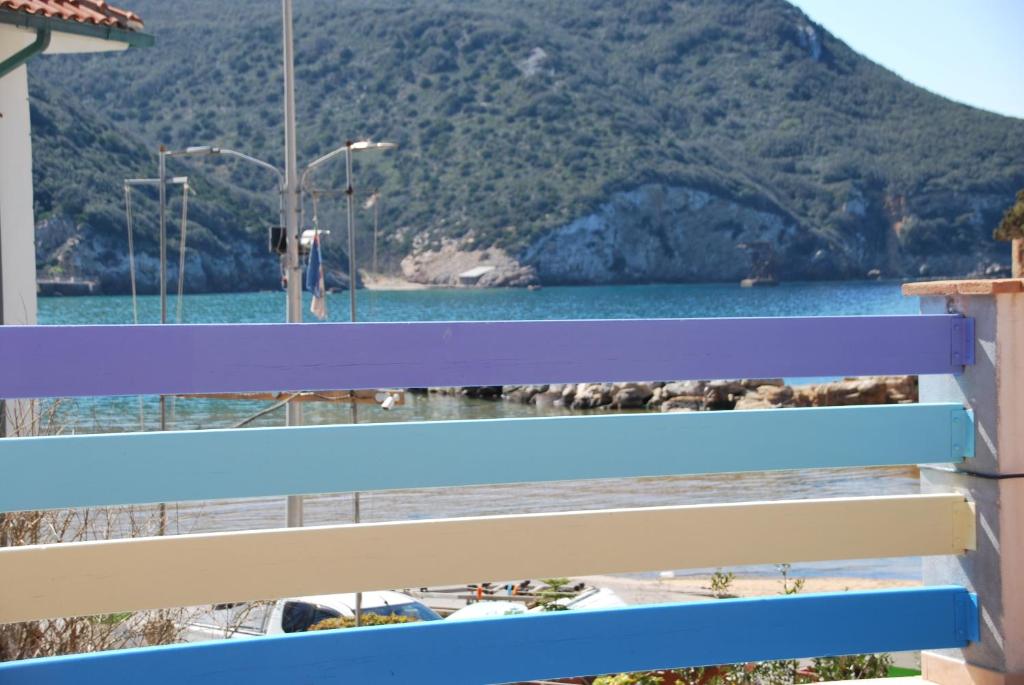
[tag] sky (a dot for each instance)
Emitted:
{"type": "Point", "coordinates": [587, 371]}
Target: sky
{"type": "Point", "coordinates": [971, 51]}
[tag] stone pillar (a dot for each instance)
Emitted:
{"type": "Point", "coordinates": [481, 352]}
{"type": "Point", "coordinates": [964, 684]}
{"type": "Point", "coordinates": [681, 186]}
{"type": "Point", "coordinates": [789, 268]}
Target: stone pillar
{"type": "Point", "coordinates": [994, 479]}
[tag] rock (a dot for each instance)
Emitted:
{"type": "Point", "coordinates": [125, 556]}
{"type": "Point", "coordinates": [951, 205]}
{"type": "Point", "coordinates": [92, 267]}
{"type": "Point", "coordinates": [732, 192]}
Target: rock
{"type": "Point", "coordinates": [548, 399]}
{"type": "Point", "coordinates": [592, 395]}
{"type": "Point", "coordinates": [863, 391]}
{"type": "Point", "coordinates": [521, 393]}
{"type": "Point", "coordinates": [657, 397]}
{"type": "Point", "coordinates": [753, 401]}
{"type": "Point", "coordinates": [726, 388]}
{"type": "Point", "coordinates": [722, 394]}
{"type": "Point", "coordinates": [765, 397]}
{"type": "Point", "coordinates": [850, 391]}
{"type": "Point", "coordinates": [755, 383]}
{"type": "Point", "coordinates": [777, 395]}
{"type": "Point", "coordinates": [647, 234]}
{"type": "Point", "coordinates": [442, 266]}
{"type": "Point", "coordinates": [485, 392]}
{"type": "Point", "coordinates": [901, 389]}
{"type": "Point", "coordinates": [678, 388]}
{"type": "Point", "coordinates": [630, 395]}
{"type": "Point", "coordinates": [683, 403]}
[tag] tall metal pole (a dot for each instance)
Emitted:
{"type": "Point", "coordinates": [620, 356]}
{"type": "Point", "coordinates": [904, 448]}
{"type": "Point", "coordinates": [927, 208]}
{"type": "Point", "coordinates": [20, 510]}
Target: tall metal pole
{"type": "Point", "coordinates": [376, 227]}
{"type": "Point", "coordinates": [291, 211]}
{"type": "Point", "coordinates": [350, 192]}
{"type": "Point", "coordinates": [162, 192]}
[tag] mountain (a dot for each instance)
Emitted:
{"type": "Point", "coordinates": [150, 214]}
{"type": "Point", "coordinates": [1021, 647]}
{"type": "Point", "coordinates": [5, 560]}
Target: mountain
{"type": "Point", "coordinates": [80, 161]}
{"type": "Point", "coordinates": [587, 142]}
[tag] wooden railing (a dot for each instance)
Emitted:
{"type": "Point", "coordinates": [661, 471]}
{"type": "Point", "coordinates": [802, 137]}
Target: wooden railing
{"type": "Point", "coordinates": [101, 577]}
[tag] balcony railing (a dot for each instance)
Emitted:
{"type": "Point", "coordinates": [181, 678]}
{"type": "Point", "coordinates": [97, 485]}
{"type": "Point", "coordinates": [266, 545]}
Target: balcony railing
{"type": "Point", "coordinates": [104, 577]}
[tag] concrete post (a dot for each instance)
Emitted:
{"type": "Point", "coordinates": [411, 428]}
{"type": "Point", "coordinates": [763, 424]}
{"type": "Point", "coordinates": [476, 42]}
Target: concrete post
{"type": "Point", "coordinates": [17, 222]}
{"type": "Point", "coordinates": [994, 389]}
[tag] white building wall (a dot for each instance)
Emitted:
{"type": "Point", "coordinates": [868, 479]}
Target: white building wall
{"type": "Point", "coordinates": [17, 222]}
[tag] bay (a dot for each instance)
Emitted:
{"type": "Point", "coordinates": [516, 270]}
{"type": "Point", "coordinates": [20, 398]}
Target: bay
{"type": "Point", "coordinates": [590, 302]}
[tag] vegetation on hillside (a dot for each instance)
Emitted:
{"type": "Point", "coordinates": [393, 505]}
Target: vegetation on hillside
{"type": "Point", "coordinates": [80, 161]}
{"type": "Point", "coordinates": [1012, 225]}
{"type": "Point", "coordinates": [515, 118]}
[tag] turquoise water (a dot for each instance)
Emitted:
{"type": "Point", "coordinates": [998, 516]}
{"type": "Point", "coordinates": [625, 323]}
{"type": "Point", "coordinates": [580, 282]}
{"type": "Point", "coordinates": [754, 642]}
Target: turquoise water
{"type": "Point", "coordinates": [645, 301]}
{"type": "Point", "coordinates": [589, 302]}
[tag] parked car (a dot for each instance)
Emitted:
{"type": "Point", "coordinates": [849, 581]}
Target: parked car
{"type": "Point", "coordinates": [297, 614]}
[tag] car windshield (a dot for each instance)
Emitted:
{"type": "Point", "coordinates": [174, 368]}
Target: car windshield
{"type": "Point", "coordinates": [414, 610]}
{"type": "Point", "coordinates": [297, 617]}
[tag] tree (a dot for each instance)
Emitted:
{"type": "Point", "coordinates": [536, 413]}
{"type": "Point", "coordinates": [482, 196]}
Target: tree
{"type": "Point", "coordinates": [1012, 228]}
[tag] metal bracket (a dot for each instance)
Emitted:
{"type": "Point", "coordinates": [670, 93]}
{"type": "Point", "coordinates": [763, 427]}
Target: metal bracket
{"type": "Point", "coordinates": [961, 434]}
{"type": "Point", "coordinates": [965, 531]}
{"type": "Point", "coordinates": [962, 341]}
{"type": "Point", "coordinates": [967, 622]}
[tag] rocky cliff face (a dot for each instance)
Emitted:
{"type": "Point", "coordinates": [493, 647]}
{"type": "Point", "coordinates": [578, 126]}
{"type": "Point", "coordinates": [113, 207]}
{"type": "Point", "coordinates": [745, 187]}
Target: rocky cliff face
{"type": "Point", "coordinates": [678, 234]}
{"type": "Point", "coordinates": [654, 232]}
{"type": "Point", "coordinates": [66, 249]}
{"type": "Point", "coordinates": [658, 233]}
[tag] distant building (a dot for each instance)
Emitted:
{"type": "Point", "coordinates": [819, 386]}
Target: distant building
{"type": "Point", "coordinates": [29, 28]}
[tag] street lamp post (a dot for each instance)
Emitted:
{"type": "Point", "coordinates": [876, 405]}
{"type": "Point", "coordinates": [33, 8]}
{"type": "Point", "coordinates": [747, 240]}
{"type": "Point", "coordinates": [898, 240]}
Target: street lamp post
{"type": "Point", "coordinates": [294, 304]}
{"type": "Point", "coordinates": [348, 149]}
{"type": "Point", "coordinates": [290, 186]}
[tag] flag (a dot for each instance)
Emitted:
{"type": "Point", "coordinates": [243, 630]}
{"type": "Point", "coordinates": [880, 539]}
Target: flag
{"type": "Point", "coordinates": [315, 280]}
{"type": "Point", "coordinates": [371, 201]}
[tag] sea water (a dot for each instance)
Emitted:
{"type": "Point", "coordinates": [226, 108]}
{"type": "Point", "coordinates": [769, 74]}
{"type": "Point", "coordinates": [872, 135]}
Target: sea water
{"type": "Point", "coordinates": [590, 302]}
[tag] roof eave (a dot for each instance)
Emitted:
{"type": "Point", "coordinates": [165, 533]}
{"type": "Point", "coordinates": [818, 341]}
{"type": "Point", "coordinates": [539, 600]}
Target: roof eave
{"type": "Point", "coordinates": [133, 39]}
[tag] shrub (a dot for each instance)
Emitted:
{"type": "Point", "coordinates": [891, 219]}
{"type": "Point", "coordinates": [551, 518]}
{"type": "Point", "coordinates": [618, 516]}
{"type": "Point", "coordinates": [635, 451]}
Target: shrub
{"type": "Point", "coordinates": [367, 620]}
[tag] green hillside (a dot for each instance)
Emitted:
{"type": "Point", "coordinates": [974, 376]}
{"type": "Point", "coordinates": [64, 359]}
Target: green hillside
{"type": "Point", "coordinates": [80, 163]}
{"type": "Point", "coordinates": [516, 119]}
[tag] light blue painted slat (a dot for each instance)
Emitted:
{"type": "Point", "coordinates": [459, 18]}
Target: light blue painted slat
{"type": "Point", "coordinates": [73, 471]}
{"type": "Point", "coordinates": [540, 646]}
{"type": "Point", "coordinates": [59, 361]}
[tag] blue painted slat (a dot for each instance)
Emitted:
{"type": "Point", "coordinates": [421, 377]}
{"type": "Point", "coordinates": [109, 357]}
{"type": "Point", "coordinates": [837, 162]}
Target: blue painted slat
{"type": "Point", "coordinates": [90, 470]}
{"type": "Point", "coordinates": [57, 361]}
{"type": "Point", "coordinates": [550, 645]}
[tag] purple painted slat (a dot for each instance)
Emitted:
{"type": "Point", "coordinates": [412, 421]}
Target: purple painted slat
{"type": "Point", "coordinates": [57, 361]}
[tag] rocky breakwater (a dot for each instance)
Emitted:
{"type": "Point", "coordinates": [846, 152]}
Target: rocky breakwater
{"type": "Point", "coordinates": [702, 395]}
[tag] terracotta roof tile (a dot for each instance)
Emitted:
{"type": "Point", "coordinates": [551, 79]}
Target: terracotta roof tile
{"type": "Point", "coordinates": [83, 11]}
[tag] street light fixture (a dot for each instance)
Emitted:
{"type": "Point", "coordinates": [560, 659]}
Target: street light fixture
{"type": "Point", "coordinates": [348, 149]}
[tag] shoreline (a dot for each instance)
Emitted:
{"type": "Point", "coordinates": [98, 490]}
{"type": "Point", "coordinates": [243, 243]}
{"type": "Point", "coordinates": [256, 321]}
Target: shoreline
{"type": "Point", "coordinates": [384, 282]}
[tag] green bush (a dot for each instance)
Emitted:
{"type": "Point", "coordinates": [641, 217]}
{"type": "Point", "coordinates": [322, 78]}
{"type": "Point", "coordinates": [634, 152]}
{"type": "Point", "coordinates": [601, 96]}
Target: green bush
{"type": "Point", "coordinates": [367, 620]}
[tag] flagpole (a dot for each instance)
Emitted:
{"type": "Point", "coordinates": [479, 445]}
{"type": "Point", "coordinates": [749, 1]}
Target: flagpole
{"type": "Point", "coordinates": [350, 193]}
